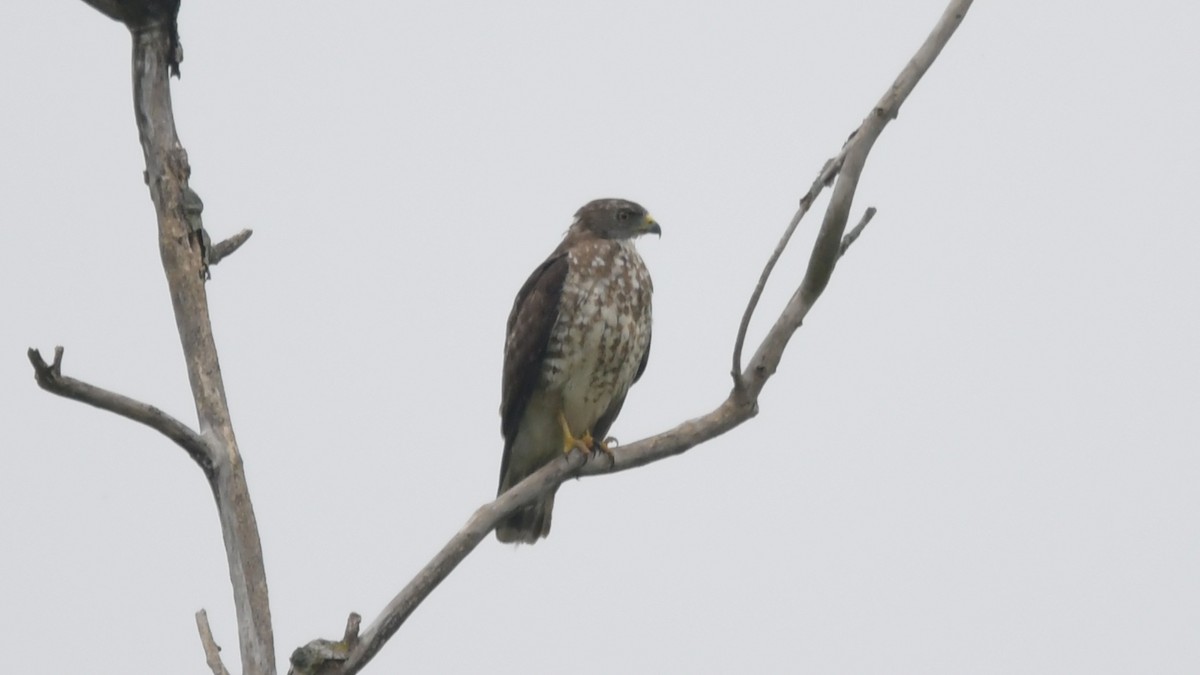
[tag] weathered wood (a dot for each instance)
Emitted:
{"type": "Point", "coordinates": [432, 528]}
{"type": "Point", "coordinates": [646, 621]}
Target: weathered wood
{"type": "Point", "coordinates": [167, 172]}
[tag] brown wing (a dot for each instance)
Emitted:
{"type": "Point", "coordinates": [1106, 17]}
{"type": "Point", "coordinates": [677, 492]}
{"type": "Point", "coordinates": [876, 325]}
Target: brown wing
{"type": "Point", "coordinates": [645, 356]}
{"type": "Point", "coordinates": [600, 431]}
{"type": "Point", "coordinates": [529, 325]}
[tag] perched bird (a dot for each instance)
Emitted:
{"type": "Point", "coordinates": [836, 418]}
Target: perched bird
{"type": "Point", "coordinates": [578, 337]}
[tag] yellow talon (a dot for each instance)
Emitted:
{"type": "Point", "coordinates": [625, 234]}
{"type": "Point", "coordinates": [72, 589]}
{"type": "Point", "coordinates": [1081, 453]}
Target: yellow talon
{"type": "Point", "coordinates": [568, 437]}
{"type": "Point", "coordinates": [585, 443]}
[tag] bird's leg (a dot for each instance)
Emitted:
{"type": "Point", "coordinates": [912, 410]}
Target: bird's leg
{"type": "Point", "coordinates": [569, 440]}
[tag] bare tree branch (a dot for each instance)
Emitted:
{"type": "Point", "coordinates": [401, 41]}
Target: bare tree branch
{"type": "Point", "coordinates": [324, 657]}
{"type": "Point", "coordinates": [455, 551]}
{"type": "Point", "coordinates": [168, 171]}
{"type": "Point", "coordinates": [50, 378]}
{"type": "Point", "coordinates": [824, 178]}
{"type": "Point", "coordinates": [226, 248]}
{"type": "Point", "coordinates": [821, 264]}
{"type": "Point", "coordinates": [350, 636]}
{"type": "Point", "coordinates": [212, 653]}
{"type": "Point", "coordinates": [484, 520]}
{"type": "Point", "coordinates": [853, 235]}
{"type": "Point", "coordinates": [828, 243]}
{"type": "Point", "coordinates": [742, 403]}
{"type": "Point", "coordinates": [156, 56]}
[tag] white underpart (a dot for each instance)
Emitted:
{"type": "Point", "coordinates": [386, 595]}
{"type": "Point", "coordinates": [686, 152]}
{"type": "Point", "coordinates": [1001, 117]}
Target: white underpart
{"type": "Point", "coordinates": [593, 358]}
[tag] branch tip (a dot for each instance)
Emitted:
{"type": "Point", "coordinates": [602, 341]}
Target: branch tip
{"type": "Point", "coordinates": [45, 373]}
{"type": "Point", "coordinates": [50, 377]}
{"type": "Point", "coordinates": [350, 637]}
{"type": "Point", "coordinates": [825, 177]}
{"type": "Point", "coordinates": [212, 651]}
{"type": "Point", "coordinates": [226, 248]}
{"type": "Point", "coordinates": [853, 235]}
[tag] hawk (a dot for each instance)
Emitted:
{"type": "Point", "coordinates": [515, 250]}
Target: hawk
{"type": "Point", "coordinates": [578, 337]}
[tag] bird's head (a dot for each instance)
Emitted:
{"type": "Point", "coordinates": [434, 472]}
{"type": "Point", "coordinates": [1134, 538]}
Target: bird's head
{"type": "Point", "coordinates": [615, 219]}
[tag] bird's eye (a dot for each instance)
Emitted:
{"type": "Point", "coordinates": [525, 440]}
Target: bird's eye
{"type": "Point", "coordinates": [623, 214]}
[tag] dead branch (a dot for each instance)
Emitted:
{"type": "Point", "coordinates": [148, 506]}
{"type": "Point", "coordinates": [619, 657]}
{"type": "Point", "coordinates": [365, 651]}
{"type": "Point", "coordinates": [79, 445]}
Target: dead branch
{"type": "Point", "coordinates": [324, 657]}
{"type": "Point", "coordinates": [156, 56]}
{"type": "Point", "coordinates": [50, 378]}
{"type": "Point", "coordinates": [226, 248]}
{"type": "Point", "coordinates": [828, 244]}
{"type": "Point", "coordinates": [168, 170]}
{"type": "Point", "coordinates": [742, 402]}
{"type": "Point", "coordinates": [212, 652]}
{"type": "Point", "coordinates": [853, 235]}
{"type": "Point", "coordinates": [825, 177]}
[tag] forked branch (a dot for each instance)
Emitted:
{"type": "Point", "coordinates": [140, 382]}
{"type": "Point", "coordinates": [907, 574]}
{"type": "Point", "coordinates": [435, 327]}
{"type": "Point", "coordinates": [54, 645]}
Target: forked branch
{"type": "Point", "coordinates": [824, 178]}
{"type": "Point", "coordinates": [155, 52]}
{"type": "Point", "coordinates": [828, 245]}
{"type": "Point", "coordinates": [742, 403]}
{"type": "Point", "coordinates": [156, 56]}
{"type": "Point", "coordinates": [853, 235]}
{"type": "Point", "coordinates": [49, 377]}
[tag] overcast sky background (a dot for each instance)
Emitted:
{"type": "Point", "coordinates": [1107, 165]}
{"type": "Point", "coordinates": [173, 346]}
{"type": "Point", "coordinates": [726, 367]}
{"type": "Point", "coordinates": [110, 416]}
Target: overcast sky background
{"type": "Point", "coordinates": [978, 456]}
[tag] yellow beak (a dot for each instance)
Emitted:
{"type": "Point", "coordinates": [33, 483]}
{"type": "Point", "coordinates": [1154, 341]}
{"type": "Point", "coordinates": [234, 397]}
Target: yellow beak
{"type": "Point", "coordinates": [650, 226]}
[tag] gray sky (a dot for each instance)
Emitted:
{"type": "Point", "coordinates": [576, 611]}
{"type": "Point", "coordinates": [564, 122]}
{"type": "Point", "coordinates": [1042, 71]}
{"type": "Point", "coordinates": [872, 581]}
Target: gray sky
{"type": "Point", "coordinates": [979, 454]}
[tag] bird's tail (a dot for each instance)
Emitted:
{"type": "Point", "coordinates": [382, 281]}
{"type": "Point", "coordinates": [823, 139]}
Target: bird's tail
{"type": "Point", "coordinates": [528, 523]}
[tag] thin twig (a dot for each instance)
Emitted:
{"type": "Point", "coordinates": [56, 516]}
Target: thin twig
{"type": "Point", "coordinates": [350, 636]}
{"type": "Point", "coordinates": [824, 178]}
{"type": "Point", "coordinates": [885, 111]}
{"type": "Point", "coordinates": [50, 377]}
{"type": "Point", "coordinates": [325, 657]}
{"type": "Point", "coordinates": [853, 235]}
{"type": "Point", "coordinates": [212, 652]}
{"type": "Point", "coordinates": [828, 244]}
{"type": "Point", "coordinates": [224, 249]}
